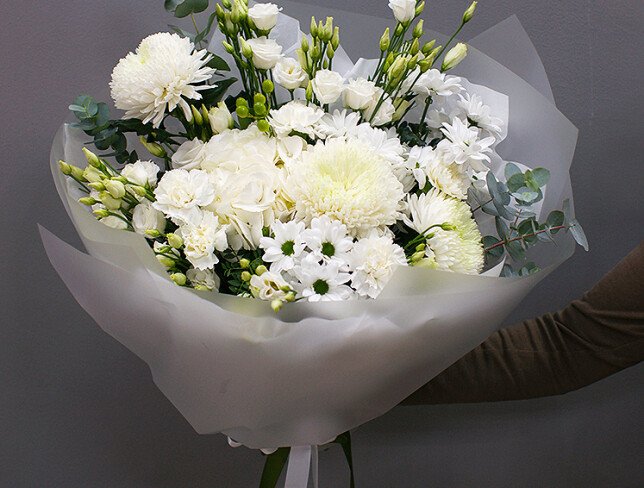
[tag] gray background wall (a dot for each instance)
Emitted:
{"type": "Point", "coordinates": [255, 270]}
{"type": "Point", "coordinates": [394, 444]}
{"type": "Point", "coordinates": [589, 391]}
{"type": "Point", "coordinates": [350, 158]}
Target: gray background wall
{"type": "Point", "coordinates": [79, 410]}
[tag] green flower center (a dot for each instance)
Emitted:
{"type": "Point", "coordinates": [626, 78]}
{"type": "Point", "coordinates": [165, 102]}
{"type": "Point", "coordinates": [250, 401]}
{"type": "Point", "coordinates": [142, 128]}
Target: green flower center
{"type": "Point", "coordinates": [288, 248]}
{"type": "Point", "coordinates": [320, 287]}
{"type": "Point", "coordinates": [328, 249]}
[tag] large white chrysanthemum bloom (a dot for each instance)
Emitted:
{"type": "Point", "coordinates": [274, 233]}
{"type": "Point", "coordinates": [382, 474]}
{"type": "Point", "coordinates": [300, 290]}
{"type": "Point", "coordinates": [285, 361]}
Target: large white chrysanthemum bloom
{"type": "Point", "coordinates": [349, 182]}
{"type": "Point", "coordinates": [158, 77]}
{"type": "Point", "coordinates": [453, 238]}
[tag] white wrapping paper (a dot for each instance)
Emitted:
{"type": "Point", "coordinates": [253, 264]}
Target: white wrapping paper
{"type": "Point", "coordinates": [314, 370]}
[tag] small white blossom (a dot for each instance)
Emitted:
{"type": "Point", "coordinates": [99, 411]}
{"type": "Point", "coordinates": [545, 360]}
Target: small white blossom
{"type": "Point", "coordinates": [321, 281]}
{"type": "Point", "coordinates": [189, 155]}
{"type": "Point", "coordinates": [295, 117]}
{"type": "Point", "coordinates": [358, 94]}
{"type": "Point", "coordinates": [479, 113]}
{"type": "Point", "coordinates": [386, 110]}
{"type": "Point", "coordinates": [220, 118]}
{"type": "Point", "coordinates": [434, 83]}
{"type": "Point", "coordinates": [328, 240]}
{"type": "Point", "coordinates": [269, 286]}
{"type": "Point", "coordinates": [338, 124]}
{"type": "Point", "coordinates": [373, 261]}
{"type": "Point", "coordinates": [463, 146]}
{"type": "Point", "coordinates": [404, 10]}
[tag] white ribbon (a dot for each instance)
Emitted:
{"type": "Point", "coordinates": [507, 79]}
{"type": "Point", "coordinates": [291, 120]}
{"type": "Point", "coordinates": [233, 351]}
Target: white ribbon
{"type": "Point", "coordinates": [300, 461]}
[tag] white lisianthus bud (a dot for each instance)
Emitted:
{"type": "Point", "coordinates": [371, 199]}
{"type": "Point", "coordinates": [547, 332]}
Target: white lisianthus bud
{"type": "Point", "coordinates": [141, 173]}
{"type": "Point", "coordinates": [109, 201]}
{"type": "Point", "coordinates": [454, 56]}
{"type": "Point", "coordinates": [92, 175]}
{"type": "Point", "coordinates": [469, 13]}
{"type": "Point", "coordinates": [189, 155]}
{"type": "Point", "coordinates": [404, 10]}
{"type": "Point", "coordinates": [266, 52]}
{"type": "Point", "coordinates": [220, 118]}
{"type": "Point", "coordinates": [327, 86]}
{"type": "Point", "coordinates": [289, 73]}
{"type": "Point", "coordinates": [358, 94]}
{"type": "Point", "coordinates": [146, 218]}
{"type": "Point", "coordinates": [264, 15]}
{"type": "Point", "coordinates": [115, 188]}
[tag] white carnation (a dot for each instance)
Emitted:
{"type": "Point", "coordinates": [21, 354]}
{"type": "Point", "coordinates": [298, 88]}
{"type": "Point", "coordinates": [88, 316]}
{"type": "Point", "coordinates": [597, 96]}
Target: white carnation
{"type": "Point", "coordinates": [239, 150]}
{"type": "Point", "coordinates": [295, 117]}
{"type": "Point", "coordinates": [141, 173]}
{"type": "Point", "coordinates": [453, 238]}
{"type": "Point", "coordinates": [180, 193]}
{"type": "Point", "coordinates": [373, 261]}
{"type": "Point", "coordinates": [201, 238]}
{"type": "Point", "coordinates": [156, 79]}
{"type": "Point", "coordinates": [264, 15]}
{"type": "Point", "coordinates": [145, 217]}
{"type": "Point", "coordinates": [266, 52]}
{"type": "Point", "coordinates": [327, 86]}
{"type": "Point", "coordinates": [203, 278]}
{"type": "Point", "coordinates": [349, 182]}
{"type": "Point", "coordinates": [359, 94]}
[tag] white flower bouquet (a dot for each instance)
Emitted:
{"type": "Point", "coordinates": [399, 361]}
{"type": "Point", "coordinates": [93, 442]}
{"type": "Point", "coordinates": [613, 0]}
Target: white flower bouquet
{"type": "Point", "coordinates": [339, 233]}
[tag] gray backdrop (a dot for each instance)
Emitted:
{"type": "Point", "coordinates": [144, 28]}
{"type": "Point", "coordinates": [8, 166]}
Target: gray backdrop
{"type": "Point", "coordinates": [79, 410]}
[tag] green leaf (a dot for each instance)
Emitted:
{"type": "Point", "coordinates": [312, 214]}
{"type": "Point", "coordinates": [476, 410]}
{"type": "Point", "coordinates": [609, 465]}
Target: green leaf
{"type": "Point", "coordinates": [497, 191]}
{"type": "Point", "coordinates": [182, 33]}
{"type": "Point", "coordinates": [510, 170]}
{"type": "Point", "coordinates": [525, 195]}
{"type": "Point", "coordinates": [188, 7]}
{"type": "Point", "coordinates": [218, 63]}
{"type": "Point", "coordinates": [528, 226]}
{"type": "Point", "coordinates": [273, 467]}
{"type": "Point", "coordinates": [515, 182]}
{"type": "Point", "coordinates": [541, 176]}
{"type": "Point", "coordinates": [530, 181]}
{"type": "Point", "coordinates": [215, 94]}
{"type": "Point", "coordinates": [555, 219]}
{"type": "Point", "coordinates": [502, 228]}
{"type": "Point", "coordinates": [171, 5]}
{"type": "Point", "coordinates": [489, 241]}
{"type": "Point", "coordinates": [515, 250]}
{"type": "Point", "coordinates": [578, 234]}
{"type": "Point", "coordinates": [201, 36]}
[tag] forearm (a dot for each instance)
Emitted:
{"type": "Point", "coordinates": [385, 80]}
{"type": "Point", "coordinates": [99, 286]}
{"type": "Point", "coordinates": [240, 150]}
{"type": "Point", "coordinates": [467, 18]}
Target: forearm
{"type": "Point", "coordinates": [590, 339]}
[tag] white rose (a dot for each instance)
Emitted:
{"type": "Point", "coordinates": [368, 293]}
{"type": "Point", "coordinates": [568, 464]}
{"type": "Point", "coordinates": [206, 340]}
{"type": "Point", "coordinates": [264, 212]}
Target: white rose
{"type": "Point", "coordinates": [141, 173]}
{"type": "Point", "coordinates": [327, 86]}
{"type": "Point", "coordinates": [201, 238]}
{"type": "Point", "coordinates": [266, 52]}
{"type": "Point", "coordinates": [264, 15]}
{"type": "Point", "coordinates": [205, 278]}
{"type": "Point", "coordinates": [189, 155]}
{"type": "Point", "coordinates": [220, 118]}
{"type": "Point", "coordinates": [180, 193]}
{"type": "Point", "coordinates": [146, 217]}
{"type": "Point", "coordinates": [289, 73]}
{"type": "Point", "coordinates": [359, 93]}
{"type": "Point", "coordinates": [404, 10]}
{"type": "Point", "coordinates": [385, 112]}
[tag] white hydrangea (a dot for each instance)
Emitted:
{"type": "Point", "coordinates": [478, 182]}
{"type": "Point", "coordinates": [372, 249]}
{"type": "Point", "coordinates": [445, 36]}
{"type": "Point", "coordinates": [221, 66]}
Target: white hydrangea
{"type": "Point", "coordinates": [349, 182]}
{"type": "Point", "coordinates": [453, 238]}
{"type": "Point", "coordinates": [164, 71]}
{"type": "Point", "coordinates": [373, 261]}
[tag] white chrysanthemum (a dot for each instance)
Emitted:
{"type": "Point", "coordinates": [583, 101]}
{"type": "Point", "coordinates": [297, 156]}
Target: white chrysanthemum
{"type": "Point", "coordinates": [321, 281]}
{"type": "Point", "coordinates": [180, 193]}
{"type": "Point", "coordinates": [463, 146]}
{"type": "Point", "coordinates": [201, 238]}
{"type": "Point", "coordinates": [453, 238]}
{"type": "Point", "coordinates": [449, 177]}
{"type": "Point", "coordinates": [349, 182]}
{"type": "Point", "coordinates": [159, 77]}
{"type": "Point", "coordinates": [284, 247]}
{"type": "Point", "coordinates": [328, 240]}
{"type": "Point", "coordinates": [479, 113]}
{"type": "Point", "coordinates": [295, 117]}
{"type": "Point", "coordinates": [373, 261]}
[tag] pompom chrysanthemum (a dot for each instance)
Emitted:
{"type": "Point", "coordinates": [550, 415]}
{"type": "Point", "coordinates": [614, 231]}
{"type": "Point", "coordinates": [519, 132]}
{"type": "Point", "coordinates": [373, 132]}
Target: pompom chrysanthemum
{"type": "Point", "coordinates": [349, 182]}
{"type": "Point", "coordinates": [158, 77]}
{"type": "Point", "coordinates": [453, 238]}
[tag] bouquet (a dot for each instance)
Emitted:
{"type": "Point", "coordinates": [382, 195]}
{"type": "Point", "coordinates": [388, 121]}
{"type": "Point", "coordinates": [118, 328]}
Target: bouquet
{"type": "Point", "coordinates": [270, 174]}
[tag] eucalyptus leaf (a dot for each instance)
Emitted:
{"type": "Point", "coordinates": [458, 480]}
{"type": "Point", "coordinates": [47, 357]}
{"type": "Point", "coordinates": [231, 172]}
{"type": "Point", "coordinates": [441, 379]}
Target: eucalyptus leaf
{"type": "Point", "coordinates": [555, 219]}
{"type": "Point", "coordinates": [188, 7]}
{"type": "Point", "coordinates": [489, 241]}
{"type": "Point", "coordinates": [510, 170]}
{"type": "Point", "coordinates": [541, 176]}
{"type": "Point", "coordinates": [578, 234]}
{"type": "Point", "coordinates": [515, 182]}
{"type": "Point", "coordinates": [515, 250]}
{"type": "Point", "coordinates": [502, 228]}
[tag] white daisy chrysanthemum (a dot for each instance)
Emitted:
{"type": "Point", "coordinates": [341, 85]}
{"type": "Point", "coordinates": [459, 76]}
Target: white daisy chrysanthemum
{"type": "Point", "coordinates": [338, 124]}
{"type": "Point", "coordinates": [453, 238]}
{"type": "Point", "coordinates": [321, 281]}
{"type": "Point", "coordinates": [374, 260]}
{"type": "Point", "coordinates": [295, 117]}
{"type": "Point", "coordinates": [349, 182]}
{"type": "Point", "coordinates": [479, 113]}
{"type": "Point", "coordinates": [434, 83]}
{"type": "Point", "coordinates": [450, 178]}
{"type": "Point", "coordinates": [159, 76]}
{"type": "Point", "coordinates": [285, 247]}
{"type": "Point", "coordinates": [328, 240]}
{"type": "Point", "coordinates": [463, 146]}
